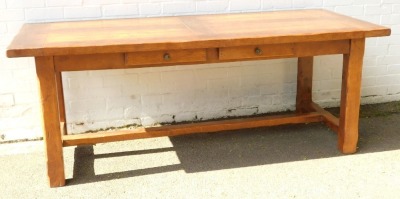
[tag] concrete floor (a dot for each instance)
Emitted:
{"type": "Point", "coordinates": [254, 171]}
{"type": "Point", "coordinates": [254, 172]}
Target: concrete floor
{"type": "Point", "coordinates": [294, 161]}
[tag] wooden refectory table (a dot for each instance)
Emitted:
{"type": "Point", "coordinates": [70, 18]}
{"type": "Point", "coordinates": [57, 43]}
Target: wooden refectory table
{"type": "Point", "coordinates": [150, 42]}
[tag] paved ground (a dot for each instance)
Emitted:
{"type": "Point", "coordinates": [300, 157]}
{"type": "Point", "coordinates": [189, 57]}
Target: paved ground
{"type": "Point", "coordinates": [297, 161]}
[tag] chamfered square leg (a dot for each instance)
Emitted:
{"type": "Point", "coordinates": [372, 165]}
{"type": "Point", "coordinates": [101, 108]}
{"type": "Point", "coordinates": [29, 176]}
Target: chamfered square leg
{"type": "Point", "coordinates": [304, 84]}
{"type": "Point", "coordinates": [51, 120]}
{"type": "Point", "coordinates": [350, 97]}
{"type": "Point", "coordinates": [61, 104]}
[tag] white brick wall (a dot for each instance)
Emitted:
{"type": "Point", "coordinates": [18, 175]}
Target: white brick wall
{"type": "Point", "coordinates": [101, 99]}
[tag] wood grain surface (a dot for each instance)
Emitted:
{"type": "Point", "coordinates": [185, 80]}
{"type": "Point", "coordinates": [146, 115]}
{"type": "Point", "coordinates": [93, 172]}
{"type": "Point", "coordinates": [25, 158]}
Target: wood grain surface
{"type": "Point", "coordinates": [187, 32]}
{"type": "Point", "coordinates": [182, 129]}
{"type": "Point", "coordinates": [51, 123]}
{"type": "Point", "coordinates": [351, 97]}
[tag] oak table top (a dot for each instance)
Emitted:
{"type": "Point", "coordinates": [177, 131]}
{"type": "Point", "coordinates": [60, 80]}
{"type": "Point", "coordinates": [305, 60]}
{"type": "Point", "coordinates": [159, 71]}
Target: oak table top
{"type": "Point", "coordinates": [186, 32]}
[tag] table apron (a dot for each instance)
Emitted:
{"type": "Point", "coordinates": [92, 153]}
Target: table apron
{"type": "Point", "coordinates": [211, 55]}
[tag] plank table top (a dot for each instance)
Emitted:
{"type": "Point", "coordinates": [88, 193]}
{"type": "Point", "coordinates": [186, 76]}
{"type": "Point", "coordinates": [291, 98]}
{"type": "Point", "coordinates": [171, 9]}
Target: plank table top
{"type": "Point", "coordinates": [187, 32]}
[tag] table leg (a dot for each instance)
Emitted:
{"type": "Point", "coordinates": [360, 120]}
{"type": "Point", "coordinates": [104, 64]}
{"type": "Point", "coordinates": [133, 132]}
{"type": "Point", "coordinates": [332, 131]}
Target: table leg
{"type": "Point", "coordinates": [350, 97]}
{"type": "Point", "coordinates": [304, 84]}
{"type": "Point", "coordinates": [51, 120]}
{"type": "Point", "coordinates": [61, 104]}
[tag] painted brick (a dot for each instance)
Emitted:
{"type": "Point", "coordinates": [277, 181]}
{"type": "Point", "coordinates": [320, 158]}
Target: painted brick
{"type": "Point", "coordinates": [394, 69]}
{"type": "Point", "coordinates": [242, 111]}
{"type": "Point", "coordinates": [215, 92]}
{"type": "Point", "coordinates": [307, 3]}
{"type": "Point", "coordinates": [132, 112]}
{"type": "Point", "coordinates": [256, 81]}
{"type": "Point", "coordinates": [24, 4]}
{"type": "Point", "coordinates": [122, 102]}
{"type": "Point", "coordinates": [60, 3]}
{"type": "Point", "coordinates": [5, 81]}
{"type": "Point", "coordinates": [11, 14]}
{"type": "Point", "coordinates": [366, 2]}
{"type": "Point", "coordinates": [186, 116]}
{"type": "Point", "coordinates": [23, 85]}
{"type": "Point", "coordinates": [178, 80]}
{"type": "Point", "coordinates": [3, 27]}
{"type": "Point", "coordinates": [15, 112]}
{"type": "Point", "coordinates": [374, 91]}
{"type": "Point", "coordinates": [327, 85]}
{"type": "Point", "coordinates": [3, 4]}
{"type": "Point", "coordinates": [376, 50]}
{"type": "Point", "coordinates": [370, 42]}
{"type": "Point", "coordinates": [374, 71]}
{"type": "Point", "coordinates": [285, 100]}
{"type": "Point", "coordinates": [22, 75]}
{"type": "Point", "coordinates": [392, 90]}
{"type": "Point", "coordinates": [290, 88]}
{"type": "Point", "coordinates": [120, 10]}
{"type": "Point", "coordinates": [151, 104]}
{"type": "Point", "coordinates": [186, 97]}
{"type": "Point", "coordinates": [390, 1]}
{"type": "Point", "coordinates": [149, 83]}
{"type": "Point", "coordinates": [150, 9]}
{"type": "Point", "coordinates": [394, 50]}
{"type": "Point", "coordinates": [82, 12]}
{"type": "Point", "coordinates": [14, 26]}
{"type": "Point", "coordinates": [270, 89]}
{"type": "Point", "coordinates": [377, 9]}
{"type": "Point", "coordinates": [390, 19]}
{"type": "Point", "coordinates": [91, 104]}
{"type": "Point", "coordinates": [6, 100]}
{"type": "Point", "coordinates": [283, 4]}
{"type": "Point", "coordinates": [336, 2]}
{"type": "Point", "coordinates": [245, 5]}
{"type": "Point", "coordinates": [120, 80]}
{"type": "Point", "coordinates": [162, 1]}
{"type": "Point", "coordinates": [178, 7]}
{"type": "Point", "coordinates": [212, 6]}
{"type": "Point", "coordinates": [5, 39]}
{"type": "Point", "coordinates": [394, 40]}
{"type": "Point", "coordinates": [395, 29]}
{"type": "Point", "coordinates": [388, 80]}
{"type": "Point", "coordinates": [389, 59]}
{"type": "Point", "coordinates": [88, 82]}
{"type": "Point", "coordinates": [148, 121]}
{"type": "Point", "coordinates": [350, 10]}
{"type": "Point", "coordinates": [44, 14]}
{"type": "Point", "coordinates": [75, 74]}
{"type": "Point", "coordinates": [212, 73]}
{"type": "Point", "coordinates": [237, 92]}
{"type": "Point", "coordinates": [370, 18]}
{"type": "Point", "coordinates": [322, 74]}
{"type": "Point", "coordinates": [169, 108]}
{"type": "Point", "coordinates": [332, 95]}
{"type": "Point", "coordinates": [370, 61]}
{"type": "Point", "coordinates": [91, 93]}
{"type": "Point", "coordinates": [98, 2]}
{"type": "Point", "coordinates": [256, 101]}
{"type": "Point", "coordinates": [139, 1]}
{"type": "Point", "coordinates": [106, 115]}
{"type": "Point", "coordinates": [151, 95]}
{"type": "Point", "coordinates": [76, 116]}
{"type": "Point", "coordinates": [396, 9]}
{"type": "Point", "coordinates": [21, 98]}
{"type": "Point", "coordinates": [368, 81]}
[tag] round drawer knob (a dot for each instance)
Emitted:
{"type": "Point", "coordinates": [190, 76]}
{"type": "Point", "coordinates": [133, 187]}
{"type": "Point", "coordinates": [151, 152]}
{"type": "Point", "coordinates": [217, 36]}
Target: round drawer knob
{"type": "Point", "coordinates": [258, 51]}
{"type": "Point", "coordinates": [167, 57]}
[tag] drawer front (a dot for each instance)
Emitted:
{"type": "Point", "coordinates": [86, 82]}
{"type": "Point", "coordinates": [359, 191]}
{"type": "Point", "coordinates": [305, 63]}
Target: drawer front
{"type": "Point", "coordinates": [255, 52]}
{"type": "Point", "coordinates": [165, 57]}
